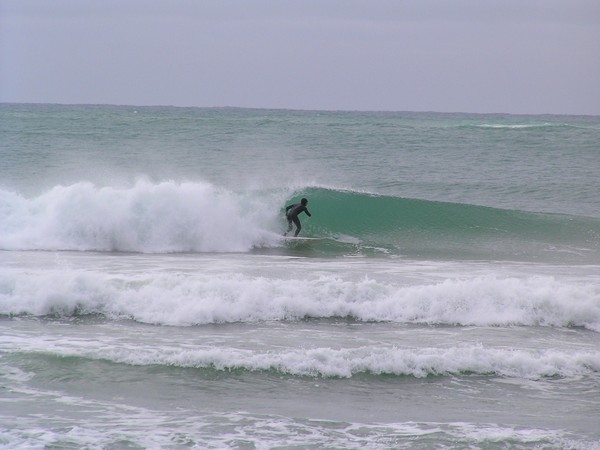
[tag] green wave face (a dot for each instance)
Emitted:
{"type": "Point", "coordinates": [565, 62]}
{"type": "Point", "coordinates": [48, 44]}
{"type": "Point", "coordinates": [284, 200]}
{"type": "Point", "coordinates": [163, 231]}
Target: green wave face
{"type": "Point", "coordinates": [374, 224]}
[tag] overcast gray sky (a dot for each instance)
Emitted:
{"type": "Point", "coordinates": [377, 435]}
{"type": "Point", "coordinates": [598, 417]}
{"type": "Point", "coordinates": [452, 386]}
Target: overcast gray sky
{"type": "Point", "coordinates": [515, 56]}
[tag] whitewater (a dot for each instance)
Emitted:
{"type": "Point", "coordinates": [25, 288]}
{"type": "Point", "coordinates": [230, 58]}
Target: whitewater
{"type": "Point", "coordinates": [149, 300]}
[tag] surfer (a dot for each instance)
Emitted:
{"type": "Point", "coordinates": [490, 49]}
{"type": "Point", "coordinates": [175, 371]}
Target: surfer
{"type": "Point", "coordinates": [291, 214]}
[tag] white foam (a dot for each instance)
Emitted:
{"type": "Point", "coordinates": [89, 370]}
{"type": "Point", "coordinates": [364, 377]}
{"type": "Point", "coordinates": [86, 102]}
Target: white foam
{"type": "Point", "coordinates": [327, 362]}
{"type": "Point", "coordinates": [200, 298]}
{"type": "Point", "coordinates": [156, 429]}
{"type": "Point", "coordinates": [146, 217]}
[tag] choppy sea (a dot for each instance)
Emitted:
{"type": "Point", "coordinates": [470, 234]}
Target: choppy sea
{"type": "Point", "coordinates": [148, 299]}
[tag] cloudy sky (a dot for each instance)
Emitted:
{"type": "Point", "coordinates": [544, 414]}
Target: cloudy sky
{"type": "Point", "coordinates": [515, 56]}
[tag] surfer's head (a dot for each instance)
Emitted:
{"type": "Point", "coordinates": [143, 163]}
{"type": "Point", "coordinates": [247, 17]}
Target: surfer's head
{"type": "Point", "coordinates": [304, 202]}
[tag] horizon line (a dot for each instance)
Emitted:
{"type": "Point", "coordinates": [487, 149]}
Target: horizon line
{"type": "Point", "coordinates": [324, 110]}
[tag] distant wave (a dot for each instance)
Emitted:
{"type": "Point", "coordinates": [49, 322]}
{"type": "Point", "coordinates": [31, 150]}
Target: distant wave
{"type": "Point", "coordinates": [200, 217]}
{"type": "Point", "coordinates": [193, 299]}
{"type": "Point", "coordinates": [524, 126]}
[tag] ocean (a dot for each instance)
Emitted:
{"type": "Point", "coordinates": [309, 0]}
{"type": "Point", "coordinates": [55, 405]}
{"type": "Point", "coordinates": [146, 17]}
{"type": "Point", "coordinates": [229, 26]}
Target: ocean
{"type": "Point", "coordinates": [149, 300]}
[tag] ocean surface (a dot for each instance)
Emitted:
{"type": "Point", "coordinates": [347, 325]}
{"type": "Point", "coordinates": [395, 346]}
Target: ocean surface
{"type": "Point", "coordinates": [148, 299]}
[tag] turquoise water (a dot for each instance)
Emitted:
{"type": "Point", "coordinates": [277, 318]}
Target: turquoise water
{"type": "Point", "coordinates": [147, 299]}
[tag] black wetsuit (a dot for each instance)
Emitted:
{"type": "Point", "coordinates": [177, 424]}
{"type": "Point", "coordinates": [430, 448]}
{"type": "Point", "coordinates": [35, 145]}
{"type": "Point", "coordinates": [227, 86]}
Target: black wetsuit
{"type": "Point", "coordinates": [291, 212]}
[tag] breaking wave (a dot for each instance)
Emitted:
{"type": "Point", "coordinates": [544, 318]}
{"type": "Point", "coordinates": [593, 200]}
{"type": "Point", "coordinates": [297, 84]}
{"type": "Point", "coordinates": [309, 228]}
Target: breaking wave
{"type": "Point", "coordinates": [192, 299]}
{"type": "Point", "coordinates": [200, 217]}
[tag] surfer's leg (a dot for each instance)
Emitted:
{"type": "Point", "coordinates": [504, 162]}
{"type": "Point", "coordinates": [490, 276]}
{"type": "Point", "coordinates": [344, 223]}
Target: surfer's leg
{"type": "Point", "coordinates": [298, 226]}
{"type": "Point", "coordinates": [289, 227]}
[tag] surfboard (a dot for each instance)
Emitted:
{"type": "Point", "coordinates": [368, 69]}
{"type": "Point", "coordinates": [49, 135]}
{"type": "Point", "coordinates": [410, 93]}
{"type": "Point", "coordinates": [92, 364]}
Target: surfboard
{"type": "Point", "coordinates": [301, 239]}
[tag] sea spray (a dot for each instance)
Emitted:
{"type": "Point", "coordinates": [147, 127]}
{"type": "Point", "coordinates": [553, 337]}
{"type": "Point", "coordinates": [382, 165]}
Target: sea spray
{"type": "Point", "coordinates": [149, 218]}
